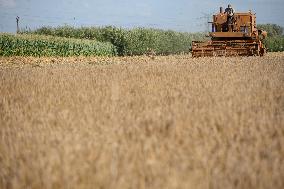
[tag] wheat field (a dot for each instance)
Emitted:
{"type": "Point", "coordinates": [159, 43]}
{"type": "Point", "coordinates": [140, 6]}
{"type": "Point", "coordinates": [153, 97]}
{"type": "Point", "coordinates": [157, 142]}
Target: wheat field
{"type": "Point", "coordinates": [142, 122]}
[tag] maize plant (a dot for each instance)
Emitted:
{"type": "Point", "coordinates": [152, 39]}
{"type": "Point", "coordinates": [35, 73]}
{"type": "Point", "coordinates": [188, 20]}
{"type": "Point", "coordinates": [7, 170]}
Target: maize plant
{"type": "Point", "coordinates": [39, 45]}
{"type": "Point", "coordinates": [137, 41]}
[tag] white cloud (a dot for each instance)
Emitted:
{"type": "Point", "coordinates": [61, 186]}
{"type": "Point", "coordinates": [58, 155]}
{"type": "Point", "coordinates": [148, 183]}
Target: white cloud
{"type": "Point", "coordinates": [7, 3]}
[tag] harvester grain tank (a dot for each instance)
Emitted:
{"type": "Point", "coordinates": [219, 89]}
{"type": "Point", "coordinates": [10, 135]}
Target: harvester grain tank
{"type": "Point", "coordinates": [234, 35]}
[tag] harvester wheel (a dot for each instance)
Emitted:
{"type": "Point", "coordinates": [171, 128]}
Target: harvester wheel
{"type": "Point", "coordinates": [262, 51]}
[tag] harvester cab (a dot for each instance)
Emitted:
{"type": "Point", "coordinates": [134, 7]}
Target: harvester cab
{"type": "Point", "coordinates": [233, 34]}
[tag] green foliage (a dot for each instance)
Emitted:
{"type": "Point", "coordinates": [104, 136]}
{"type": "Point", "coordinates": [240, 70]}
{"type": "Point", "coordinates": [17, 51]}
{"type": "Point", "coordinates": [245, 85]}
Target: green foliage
{"type": "Point", "coordinates": [137, 41]}
{"type": "Point", "coordinates": [275, 40]}
{"type": "Point", "coordinates": [275, 44]}
{"type": "Point", "coordinates": [273, 30]}
{"type": "Point", "coordinates": [39, 45]}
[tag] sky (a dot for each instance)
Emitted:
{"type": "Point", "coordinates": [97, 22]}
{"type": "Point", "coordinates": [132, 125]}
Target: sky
{"type": "Point", "coordinates": [179, 15]}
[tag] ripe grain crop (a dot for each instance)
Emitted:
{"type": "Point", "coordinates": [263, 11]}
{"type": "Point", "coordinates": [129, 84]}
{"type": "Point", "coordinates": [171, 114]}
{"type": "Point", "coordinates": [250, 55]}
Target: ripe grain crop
{"type": "Point", "coordinates": [142, 122]}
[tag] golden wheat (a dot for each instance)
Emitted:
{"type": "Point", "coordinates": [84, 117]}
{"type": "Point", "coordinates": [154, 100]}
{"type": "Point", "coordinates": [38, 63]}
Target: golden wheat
{"type": "Point", "coordinates": [142, 122]}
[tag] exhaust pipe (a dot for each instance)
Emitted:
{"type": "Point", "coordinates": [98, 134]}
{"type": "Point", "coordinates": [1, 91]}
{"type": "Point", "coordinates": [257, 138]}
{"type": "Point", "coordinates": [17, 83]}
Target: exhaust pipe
{"type": "Point", "coordinates": [221, 9]}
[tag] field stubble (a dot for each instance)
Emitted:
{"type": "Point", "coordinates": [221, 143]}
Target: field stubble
{"type": "Point", "coordinates": [142, 122]}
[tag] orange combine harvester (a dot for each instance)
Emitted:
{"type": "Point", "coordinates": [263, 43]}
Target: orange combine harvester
{"type": "Point", "coordinates": [232, 35]}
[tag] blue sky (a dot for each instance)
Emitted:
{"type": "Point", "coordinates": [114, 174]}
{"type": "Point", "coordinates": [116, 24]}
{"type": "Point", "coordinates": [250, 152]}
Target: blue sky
{"type": "Point", "coordinates": [180, 15]}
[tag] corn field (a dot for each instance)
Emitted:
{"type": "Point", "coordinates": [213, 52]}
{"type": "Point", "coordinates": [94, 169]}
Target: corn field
{"type": "Point", "coordinates": [145, 122]}
{"type": "Point", "coordinates": [137, 41]}
{"type": "Point", "coordinates": [38, 45]}
{"type": "Point", "coordinates": [275, 44]}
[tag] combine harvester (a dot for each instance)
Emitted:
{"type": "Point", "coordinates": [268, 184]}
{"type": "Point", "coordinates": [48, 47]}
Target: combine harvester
{"type": "Point", "coordinates": [233, 34]}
